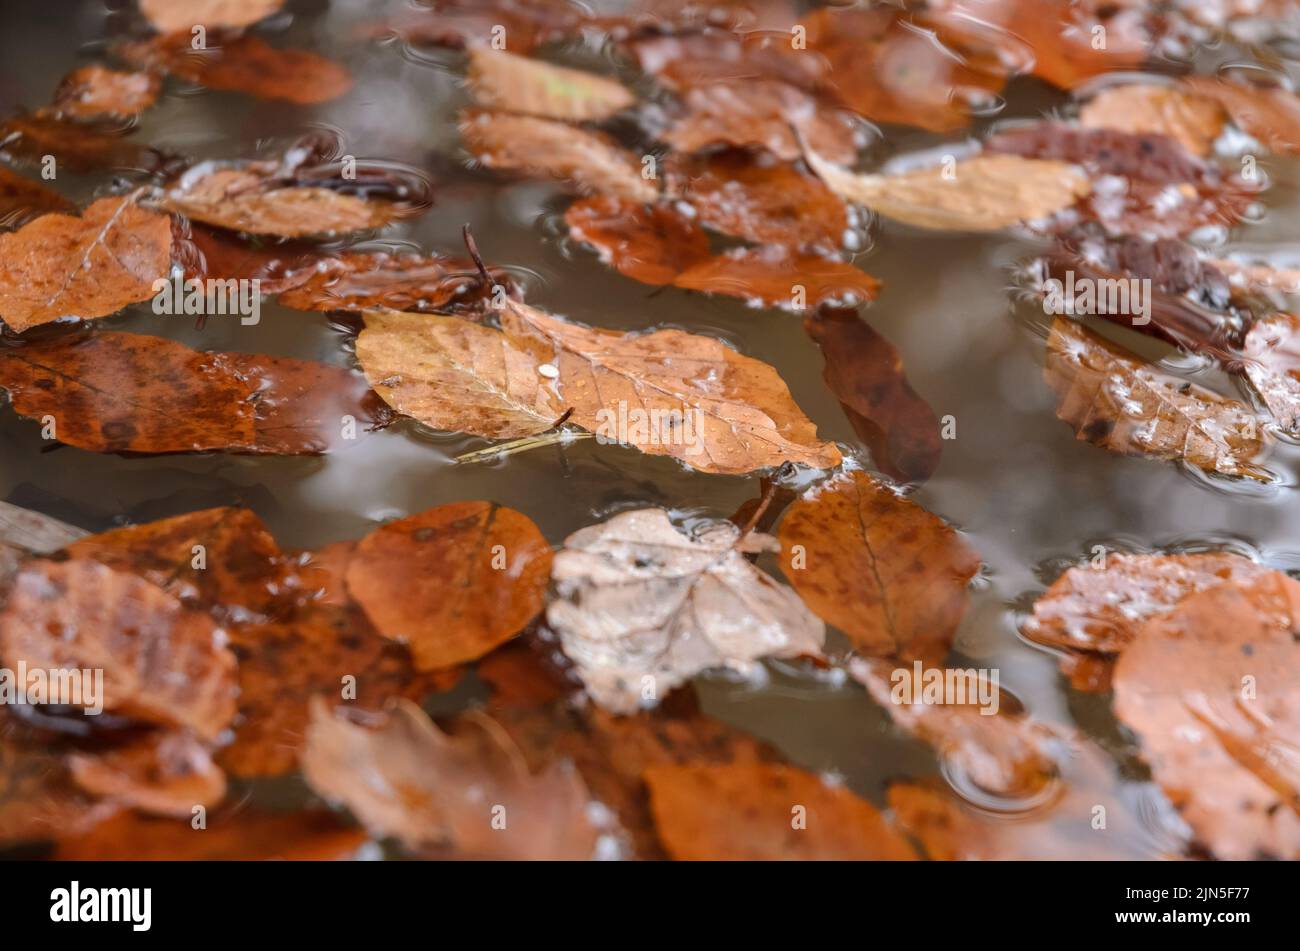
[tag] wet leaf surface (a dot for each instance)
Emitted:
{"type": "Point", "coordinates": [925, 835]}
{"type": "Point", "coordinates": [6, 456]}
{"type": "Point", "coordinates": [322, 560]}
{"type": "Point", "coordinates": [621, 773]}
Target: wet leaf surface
{"type": "Point", "coordinates": [22, 199]}
{"type": "Point", "coordinates": [77, 146]}
{"type": "Point", "coordinates": [1194, 122]}
{"type": "Point", "coordinates": [425, 283]}
{"type": "Point", "coordinates": [168, 15]}
{"type": "Point", "coordinates": [164, 774]}
{"type": "Point", "coordinates": [501, 80]}
{"type": "Point", "coordinates": [96, 92]}
{"type": "Point", "coordinates": [652, 244]}
{"type": "Point", "coordinates": [1270, 114]}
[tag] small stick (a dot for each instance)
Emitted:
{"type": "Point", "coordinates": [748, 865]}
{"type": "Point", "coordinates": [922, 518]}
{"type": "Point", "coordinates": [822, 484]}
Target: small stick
{"type": "Point", "coordinates": [472, 246]}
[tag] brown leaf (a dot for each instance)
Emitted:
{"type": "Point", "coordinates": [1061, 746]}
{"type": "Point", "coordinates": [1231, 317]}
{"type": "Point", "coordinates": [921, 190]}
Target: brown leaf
{"type": "Point", "coordinates": [1269, 114]}
{"type": "Point", "coordinates": [865, 373]}
{"type": "Point", "coordinates": [879, 567]}
{"type": "Point", "coordinates": [162, 663]}
{"type": "Point", "coordinates": [123, 392]}
{"type": "Point", "coordinates": [744, 813]}
{"type": "Point", "coordinates": [212, 253]}
{"type": "Point", "coordinates": [167, 773]}
{"type": "Point", "coordinates": [38, 800]}
{"type": "Point", "coordinates": [241, 63]}
{"type": "Point", "coordinates": [775, 276]}
{"type": "Point", "coordinates": [588, 161]}
{"type": "Point", "coordinates": [760, 113]}
{"type": "Point", "coordinates": [423, 283]}
{"type": "Point", "coordinates": [455, 375]}
{"type": "Point", "coordinates": [983, 193]}
{"type": "Point", "coordinates": [639, 602]}
{"type": "Point", "coordinates": [1114, 400]}
{"type": "Point", "coordinates": [249, 199]}
{"type": "Point", "coordinates": [465, 23]}
{"type": "Point", "coordinates": [408, 780]}
{"type": "Point", "coordinates": [699, 59]}
{"type": "Point", "coordinates": [1191, 120]}
{"type": "Point", "coordinates": [762, 201]}
{"type": "Point", "coordinates": [1209, 687]}
{"type": "Point", "coordinates": [22, 199]}
{"type": "Point", "coordinates": [88, 266]}
{"type": "Point", "coordinates": [652, 244]}
{"type": "Point", "coordinates": [244, 836]}
{"type": "Point", "coordinates": [168, 15]}
{"type": "Point", "coordinates": [1271, 362]}
{"type": "Point", "coordinates": [97, 92]}
{"type": "Point", "coordinates": [74, 145]}
{"type": "Point", "coordinates": [510, 83]}
{"type": "Point", "coordinates": [452, 582]}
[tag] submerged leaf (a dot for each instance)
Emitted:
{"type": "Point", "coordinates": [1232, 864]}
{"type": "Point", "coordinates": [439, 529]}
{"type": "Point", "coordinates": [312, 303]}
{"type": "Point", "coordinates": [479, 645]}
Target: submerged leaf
{"type": "Point", "coordinates": [638, 600]}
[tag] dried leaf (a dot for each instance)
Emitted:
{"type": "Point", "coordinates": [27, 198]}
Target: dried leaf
{"type": "Point", "coordinates": [97, 92]}
{"type": "Point", "coordinates": [212, 253]}
{"type": "Point", "coordinates": [452, 582]}
{"type": "Point", "coordinates": [249, 199]}
{"type": "Point", "coordinates": [589, 161]}
{"type": "Point", "coordinates": [241, 63]}
{"type": "Point", "coordinates": [1272, 364]}
{"type": "Point", "coordinates": [1209, 687]}
{"type": "Point", "coordinates": [1259, 277]}
{"type": "Point", "coordinates": [1114, 400]}
{"type": "Point", "coordinates": [1269, 114]}
{"type": "Point", "coordinates": [162, 663]}
{"type": "Point", "coordinates": [166, 774]}
{"type": "Point", "coordinates": [865, 373]}
{"type": "Point", "coordinates": [743, 813]}
{"type": "Point", "coordinates": [459, 376]}
{"type": "Point", "coordinates": [1192, 121]}
{"type": "Point", "coordinates": [122, 392]}
{"type": "Point", "coordinates": [879, 567]}
{"type": "Point", "coordinates": [168, 15]}
{"type": "Point", "coordinates": [22, 199]}
{"type": "Point", "coordinates": [983, 193]}
{"type": "Point", "coordinates": [243, 836]}
{"type": "Point", "coordinates": [510, 83]}
{"type": "Point", "coordinates": [468, 23]}
{"type": "Point", "coordinates": [75, 146]}
{"type": "Point", "coordinates": [33, 531]}
{"type": "Point", "coordinates": [424, 283]}
{"type": "Point", "coordinates": [38, 800]}
{"type": "Point", "coordinates": [88, 266]}
{"type": "Point", "coordinates": [762, 201]}
{"type": "Point", "coordinates": [637, 600]}
{"type": "Point", "coordinates": [407, 780]}
{"type": "Point", "coordinates": [652, 244]}
{"type": "Point", "coordinates": [775, 276]}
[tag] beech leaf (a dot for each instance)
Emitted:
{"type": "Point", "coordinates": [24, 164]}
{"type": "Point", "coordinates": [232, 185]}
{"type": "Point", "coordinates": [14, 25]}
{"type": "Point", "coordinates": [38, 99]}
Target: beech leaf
{"type": "Point", "coordinates": [97, 92]}
{"type": "Point", "coordinates": [504, 81]}
{"type": "Point", "coordinates": [22, 199]}
{"type": "Point", "coordinates": [1193, 121]}
{"type": "Point", "coordinates": [168, 15]}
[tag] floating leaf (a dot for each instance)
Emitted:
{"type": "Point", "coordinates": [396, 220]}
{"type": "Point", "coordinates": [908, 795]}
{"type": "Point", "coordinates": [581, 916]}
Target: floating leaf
{"type": "Point", "coordinates": [652, 244]}
{"type": "Point", "coordinates": [1116, 401]}
{"type": "Point", "coordinates": [452, 582]}
{"type": "Point", "coordinates": [639, 601]}
{"type": "Point", "coordinates": [406, 779]}
{"type": "Point", "coordinates": [22, 199]}
{"type": "Point", "coordinates": [212, 253]}
{"type": "Point", "coordinates": [468, 23]}
{"type": "Point", "coordinates": [510, 83]}
{"type": "Point", "coordinates": [1209, 687]}
{"type": "Point", "coordinates": [865, 373]}
{"type": "Point", "coordinates": [38, 799]}
{"type": "Point", "coordinates": [426, 283]}
{"type": "Point", "coordinates": [1269, 114]}
{"type": "Point", "coordinates": [775, 276]}
{"type": "Point", "coordinates": [97, 92]}
{"type": "Point", "coordinates": [1271, 361]}
{"type": "Point", "coordinates": [744, 813]}
{"type": "Point", "coordinates": [88, 266]}
{"type": "Point", "coordinates": [1192, 121]}
{"type": "Point", "coordinates": [241, 63]}
{"type": "Point", "coordinates": [879, 567]}
{"type": "Point", "coordinates": [168, 15]}
{"type": "Point", "coordinates": [166, 774]}
{"type": "Point", "coordinates": [983, 193]}
{"type": "Point", "coordinates": [76, 146]}
{"type": "Point", "coordinates": [541, 148]}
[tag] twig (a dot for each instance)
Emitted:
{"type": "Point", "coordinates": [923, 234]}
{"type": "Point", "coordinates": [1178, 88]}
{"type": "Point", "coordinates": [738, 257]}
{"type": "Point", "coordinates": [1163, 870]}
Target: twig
{"type": "Point", "coordinates": [472, 246]}
{"type": "Point", "coordinates": [500, 450]}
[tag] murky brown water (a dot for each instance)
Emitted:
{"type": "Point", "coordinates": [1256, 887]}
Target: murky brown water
{"type": "Point", "coordinates": [1029, 496]}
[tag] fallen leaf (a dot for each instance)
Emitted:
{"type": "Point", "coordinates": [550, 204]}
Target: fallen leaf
{"type": "Point", "coordinates": [33, 531]}
{"type": "Point", "coordinates": [425, 283]}
{"type": "Point", "coordinates": [455, 375]}
{"type": "Point", "coordinates": [589, 161]}
{"type": "Point", "coordinates": [760, 113]}
{"type": "Point", "coordinates": [248, 198]}
{"type": "Point", "coordinates": [1270, 114]}
{"type": "Point", "coordinates": [1259, 277]}
{"type": "Point", "coordinates": [1271, 362]}
{"type": "Point", "coordinates": [165, 16]}
{"type": "Point", "coordinates": [76, 146]}
{"type": "Point", "coordinates": [879, 567]}
{"type": "Point", "coordinates": [1191, 120]}
{"type": "Point", "coordinates": [162, 663]}
{"type": "Point", "coordinates": [743, 813]}
{"type": "Point", "coordinates": [865, 373]}
{"type": "Point", "coordinates": [452, 582]}
{"type": "Point", "coordinates": [22, 199]}
{"type": "Point", "coordinates": [983, 193]}
{"type": "Point", "coordinates": [1004, 754]}
{"type": "Point", "coordinates": [241, 63]}
{"type": "Point", "coordinates": [124, 392]}
{"type": "Point", "coordinates": [88, 266]}
{"type": "Point", "coordinates": [212, 253]}
{"type": "Point", "coordinates": [243, 836]}
{"type": "Point", "coordinates": [38, 800]}
{"type": "Point", "coordinates": [763, 201]}
{"type": "Point", "coordinates": [97, 92]}
{"type": "Point", "coordinates": [1115, 400]}
{"type": "Point", "coordinates": [693, 59]}
{"type": "Point", "coordinates": [165, 774]}
{"type": "Point", "coordinates": [775, 276]}
{"type": "Point", "coordinates": [510, 83]}
{"type": "Point", "coordinates": [638, 602]}
{"type": "Point", "coordinates": [1209, 689]}
{"type": "Point", "coordinates": [652, 244]}
{"type": "Point", "coordinates": [467, 23]}
{"type": "Point", "coordinates": [406, 779]}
